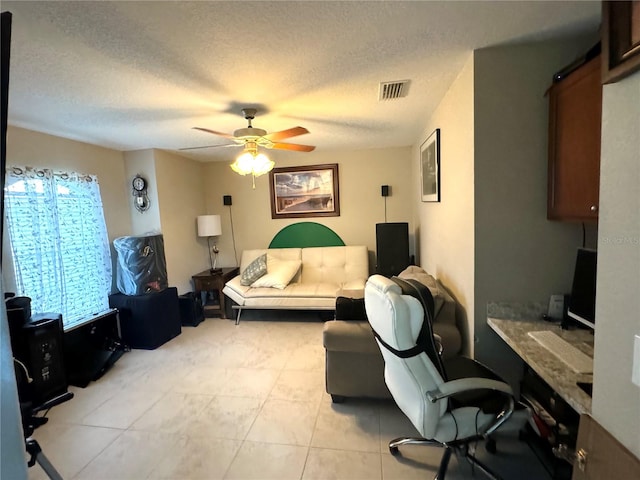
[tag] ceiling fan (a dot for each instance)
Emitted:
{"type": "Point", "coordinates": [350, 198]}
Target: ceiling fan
{"type": "Point", "coordinates": [252, 138]}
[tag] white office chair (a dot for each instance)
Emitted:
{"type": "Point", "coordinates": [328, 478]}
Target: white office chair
{"type": "Point", "coordinates": [447, 413]}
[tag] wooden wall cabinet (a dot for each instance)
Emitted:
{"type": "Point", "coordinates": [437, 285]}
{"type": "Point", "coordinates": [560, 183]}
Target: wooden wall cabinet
{"type": "Point", "coordinates": [620, 39]}
{"type": "Point", "coordinates": [575, 114]}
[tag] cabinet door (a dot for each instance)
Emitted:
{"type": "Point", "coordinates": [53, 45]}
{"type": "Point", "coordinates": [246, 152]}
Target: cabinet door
{"type": "Point", "coordinates": [575, 113]}
{"type": "Point", "coordinates": [603, 456]}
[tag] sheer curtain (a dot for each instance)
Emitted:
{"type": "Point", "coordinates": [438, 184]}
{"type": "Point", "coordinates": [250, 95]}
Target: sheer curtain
{"type": "Point", "coordinates": [59, 242]}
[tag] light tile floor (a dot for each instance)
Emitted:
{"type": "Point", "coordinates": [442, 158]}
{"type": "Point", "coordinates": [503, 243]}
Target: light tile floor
{"type": "Point", "coordinates": [222, 401]}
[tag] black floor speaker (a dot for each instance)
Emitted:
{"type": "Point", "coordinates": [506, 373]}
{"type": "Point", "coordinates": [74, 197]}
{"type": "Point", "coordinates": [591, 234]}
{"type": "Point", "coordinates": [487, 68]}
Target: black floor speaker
{"type": "Point", "coordinates": [39, 351]}
{"type": "Point", "coordinates": [392, 248]}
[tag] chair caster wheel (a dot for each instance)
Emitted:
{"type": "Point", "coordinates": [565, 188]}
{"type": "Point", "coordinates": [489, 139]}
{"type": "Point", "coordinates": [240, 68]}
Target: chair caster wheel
{"type": "Point", "coordinates": [491, 446]}
{"type": "Point", "coordinates": [394, 451]}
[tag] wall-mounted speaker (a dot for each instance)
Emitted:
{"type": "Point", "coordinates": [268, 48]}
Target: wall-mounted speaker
{"type": "Point", "coordinates": [226, 200]}
{"type": "Point", "coordinates": [384, 189]}
{"type": "Point", "coordinates": [392, 248]}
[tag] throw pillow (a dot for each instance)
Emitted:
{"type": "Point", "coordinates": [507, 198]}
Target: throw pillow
{"type": "Point", "coordinates": [279, 274]}
{"type": "Point", "coordinates": [255, 270]}
{"type": "Point", "coordinates": [350, 309]}
{"type": "Point", "coordinates": [417, 273]}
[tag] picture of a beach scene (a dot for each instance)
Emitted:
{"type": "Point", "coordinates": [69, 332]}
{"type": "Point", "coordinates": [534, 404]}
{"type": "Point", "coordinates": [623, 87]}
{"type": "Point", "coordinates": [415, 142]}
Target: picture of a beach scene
{"type": "Point", "coordinates": [304, 191]}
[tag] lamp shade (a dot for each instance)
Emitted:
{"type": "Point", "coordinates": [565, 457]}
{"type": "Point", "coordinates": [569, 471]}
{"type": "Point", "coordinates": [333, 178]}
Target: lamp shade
{"type": "Point", "coordinates": [209, 225]}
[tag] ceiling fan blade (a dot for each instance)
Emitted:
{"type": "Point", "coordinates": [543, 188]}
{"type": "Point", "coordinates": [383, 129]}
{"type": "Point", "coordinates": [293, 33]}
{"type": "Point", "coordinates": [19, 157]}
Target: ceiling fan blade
{"type": "Point", "coordinates": [293, 146]}
{"type": "Point", "coordinates": [281, 135]}
{"type": "Point", "coordinates": [211, 146]}
{"type": "Point", "coordinates": [220, 134]}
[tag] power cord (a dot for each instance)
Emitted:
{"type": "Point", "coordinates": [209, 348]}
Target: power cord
{"type": "Point", "coordinates": [385, 209]}
{"type": "Point", "coordinates": [233, 236]}
{"type": "Point", "coordinates": [26, 372]}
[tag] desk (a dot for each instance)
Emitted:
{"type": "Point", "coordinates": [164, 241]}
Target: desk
{"type": "Point", "coordinates": [550, 368]}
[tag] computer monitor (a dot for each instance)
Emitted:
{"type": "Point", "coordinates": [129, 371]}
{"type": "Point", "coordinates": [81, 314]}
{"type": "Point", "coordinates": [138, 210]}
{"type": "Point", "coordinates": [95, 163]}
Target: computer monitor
{"type": "Point", "coordinates": [582, 305]}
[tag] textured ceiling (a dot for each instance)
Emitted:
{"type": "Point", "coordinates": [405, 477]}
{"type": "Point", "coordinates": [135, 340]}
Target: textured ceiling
{"type": "Point", "coordinates": [137, 75]}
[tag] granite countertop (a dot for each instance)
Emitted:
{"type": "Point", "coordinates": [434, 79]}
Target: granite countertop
{"type": "Point", "coordinates": [512, 322]}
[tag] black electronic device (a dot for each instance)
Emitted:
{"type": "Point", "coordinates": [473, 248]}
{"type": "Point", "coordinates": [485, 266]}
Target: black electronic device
{"type": "Point", "coordinates": [226, 200]}
{"type": "Point", "coordinates": [384, 190]}
{"type": "Point", "coordinates": [392, 248]}
{"type": "Point", "coordinates": [191, 309]}
{"type": "Point", "coordinates": [91, 349]}
{"type": "Point", "coordinates": [42, 353]}
{"type": "Point", "coordinates": [582, 303]}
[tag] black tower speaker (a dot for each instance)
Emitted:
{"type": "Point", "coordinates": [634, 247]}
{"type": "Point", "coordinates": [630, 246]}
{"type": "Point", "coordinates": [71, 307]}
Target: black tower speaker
{"type": "Point", "coordinates": [39, 348]}
{"type": "Point", "coordinates": [226, 199]}
{"type": "Point", "coordinates": [392, 248]}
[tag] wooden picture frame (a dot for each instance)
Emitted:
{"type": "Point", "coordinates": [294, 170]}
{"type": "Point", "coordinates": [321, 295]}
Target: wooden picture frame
{"type": "Point", "coordinates": [430, 168]}
{"type": "Point", "coordinates": [306, 191]}
{"type": "Point", "coordinates": [620, 39]}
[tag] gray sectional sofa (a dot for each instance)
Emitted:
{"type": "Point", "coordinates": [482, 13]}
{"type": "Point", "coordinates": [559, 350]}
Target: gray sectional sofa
{"type": "Point", "coordinates": [354, 365]}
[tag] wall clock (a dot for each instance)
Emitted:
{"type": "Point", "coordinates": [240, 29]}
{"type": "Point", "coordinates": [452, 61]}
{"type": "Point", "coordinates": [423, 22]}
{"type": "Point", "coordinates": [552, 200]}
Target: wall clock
{"type": "Point", "coordinates": [140, 197]}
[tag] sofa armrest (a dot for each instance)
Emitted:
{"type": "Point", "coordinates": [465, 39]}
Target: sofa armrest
{"type": "Point", "coordinates": [349, 336]}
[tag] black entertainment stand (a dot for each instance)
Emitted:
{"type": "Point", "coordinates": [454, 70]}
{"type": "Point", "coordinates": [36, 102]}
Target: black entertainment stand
{"type": "Point", "coordinates": [92, 347]}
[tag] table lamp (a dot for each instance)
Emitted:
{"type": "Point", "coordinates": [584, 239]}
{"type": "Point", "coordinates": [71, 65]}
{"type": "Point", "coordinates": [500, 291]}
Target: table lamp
{"type": "Point", "coordinates": [210, 226]}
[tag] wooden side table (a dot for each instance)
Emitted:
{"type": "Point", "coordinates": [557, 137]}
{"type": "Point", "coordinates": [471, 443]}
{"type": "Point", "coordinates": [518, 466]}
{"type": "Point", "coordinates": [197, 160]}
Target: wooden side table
{"type": "Point", "coordinates": [207, 282]}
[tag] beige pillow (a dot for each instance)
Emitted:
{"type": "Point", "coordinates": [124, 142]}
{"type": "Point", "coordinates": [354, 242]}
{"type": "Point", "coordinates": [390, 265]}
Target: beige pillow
{"type": "Point", "coordinates": [279, 274]}
{"type": "Point", "coordinates": [417, 273]}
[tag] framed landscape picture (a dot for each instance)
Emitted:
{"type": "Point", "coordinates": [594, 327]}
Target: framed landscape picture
{"type": "Point", "coordinates": [430, 168]}
{"type": "Point", "coordinates": [309, 191]}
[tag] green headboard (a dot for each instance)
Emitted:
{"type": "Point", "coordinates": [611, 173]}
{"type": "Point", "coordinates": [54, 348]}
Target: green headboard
{"type": "Point", "coordinates": [306, 234]}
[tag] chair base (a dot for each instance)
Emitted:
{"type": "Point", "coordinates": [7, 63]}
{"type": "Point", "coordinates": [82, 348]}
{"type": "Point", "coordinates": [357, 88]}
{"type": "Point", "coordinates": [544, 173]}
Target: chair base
{"type": "Point", "coordinates": [460, 449]}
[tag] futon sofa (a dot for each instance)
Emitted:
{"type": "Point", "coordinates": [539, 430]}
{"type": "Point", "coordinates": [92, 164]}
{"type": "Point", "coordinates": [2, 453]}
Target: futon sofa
{"type": "Point", "coordinates": [298, 278]}
{"type": "Point", "coordinates": [353, 363]}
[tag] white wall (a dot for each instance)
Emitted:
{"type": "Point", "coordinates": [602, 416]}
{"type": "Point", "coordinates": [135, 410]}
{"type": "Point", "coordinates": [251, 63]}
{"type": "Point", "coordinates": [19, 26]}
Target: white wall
{"type": "Point", "coordinates": [180, 185]}
{"type": "Point", "coordinates": [446, 230]}
{"type": "Point", "coordinates": [616, 401]}
{"type": "Point", "coordinates": [488, 239]}
{"type": "Point", "coordinates": [519, 255]}
{"type": "Point", "coordinates": [142, 162]}
{"type": "Point", "coordinates": [361, 173]}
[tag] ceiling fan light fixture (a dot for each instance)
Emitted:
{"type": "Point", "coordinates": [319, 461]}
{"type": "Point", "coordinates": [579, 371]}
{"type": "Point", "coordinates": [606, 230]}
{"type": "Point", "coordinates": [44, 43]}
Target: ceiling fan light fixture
{"type": "Point", "coordinates": [243, 164]}
{"type": "Point", "coordinates": [262, 165]}
{"type": "Point", "coordinates": [253, 163]}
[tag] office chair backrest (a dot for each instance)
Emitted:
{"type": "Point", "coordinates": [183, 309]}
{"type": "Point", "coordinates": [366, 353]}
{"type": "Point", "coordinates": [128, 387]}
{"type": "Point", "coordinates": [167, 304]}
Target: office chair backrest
{"type": "Point", "coordinates": [397, 320]}
{"type": "Point", "coordinates": [425, 341]}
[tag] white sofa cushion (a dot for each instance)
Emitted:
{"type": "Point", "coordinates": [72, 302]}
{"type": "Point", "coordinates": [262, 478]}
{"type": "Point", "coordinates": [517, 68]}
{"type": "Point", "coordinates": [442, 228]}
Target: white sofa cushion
{"type": "Point", "coordinates": [279, 273]}
{"type": "Point", "coordinates": [334, 264]}
{"type": "Point", "coordinates": [249, 256]}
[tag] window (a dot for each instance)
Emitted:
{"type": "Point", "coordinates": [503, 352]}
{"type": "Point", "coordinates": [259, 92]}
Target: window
{"type": "Point", "coordinates": [59, 242]}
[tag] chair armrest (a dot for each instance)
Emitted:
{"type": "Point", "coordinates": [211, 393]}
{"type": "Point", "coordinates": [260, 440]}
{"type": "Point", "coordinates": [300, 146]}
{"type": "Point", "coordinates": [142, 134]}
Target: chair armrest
{"type": "Point", "coordinates": [438, 341]}
{"type": "Point", "coordinates": [475, 383]}
{"type": "Point", "coordinates": [466, 384]}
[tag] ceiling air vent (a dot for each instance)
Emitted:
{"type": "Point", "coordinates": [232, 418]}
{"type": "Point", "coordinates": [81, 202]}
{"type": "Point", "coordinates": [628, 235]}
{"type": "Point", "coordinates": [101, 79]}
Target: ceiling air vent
{"type": "Point", "coordinates": [392, 90]}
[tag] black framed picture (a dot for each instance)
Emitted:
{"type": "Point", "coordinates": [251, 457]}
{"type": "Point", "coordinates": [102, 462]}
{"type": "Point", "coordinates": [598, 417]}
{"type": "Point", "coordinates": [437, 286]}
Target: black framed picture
{"type": "Point", "coordinates": [308, 191]}
{"type": "Point", "coordinates": [430, 168]}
